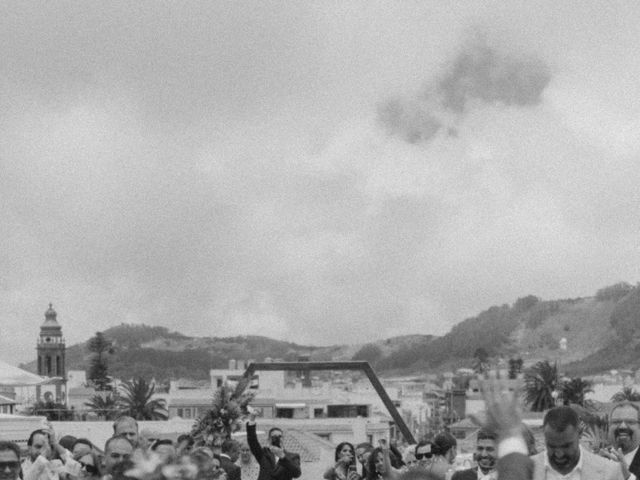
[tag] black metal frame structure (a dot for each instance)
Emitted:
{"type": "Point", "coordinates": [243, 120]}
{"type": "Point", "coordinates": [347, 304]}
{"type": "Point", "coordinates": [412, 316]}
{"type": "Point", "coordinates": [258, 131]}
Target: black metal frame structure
{"type": "Point", "coordinates": [357, 366]}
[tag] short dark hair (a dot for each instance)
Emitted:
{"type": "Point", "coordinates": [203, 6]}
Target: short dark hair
{"type": "Point", "coordinates": [40, 431]}
{"type": "Point", "coordinates": [229, 445]}
{"type": "Point", "coordinates": [366, 445]}
{"type": "Point", "coordinates": [113, 439]}
{"type": "Point", "coordinates": [442, 443]}
{"type": "Point", "coordinates": [486, 435]}
{"type": "Point", "coordinates": [273, 429]}
{"type": "Point", "coordinates": [6, 445]}
{"type": "Point", "coordinates": [423, 443]}
{"type": "Point", "coordinates": [82, 441]}
{"type": "Point", "coordinates": [559, 418]}
{"type": "Point", "coordinates": [67, 441]}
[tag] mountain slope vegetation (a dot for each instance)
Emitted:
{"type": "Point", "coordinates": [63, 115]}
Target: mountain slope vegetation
{"type": "Point", "coordinates": [602, 332]}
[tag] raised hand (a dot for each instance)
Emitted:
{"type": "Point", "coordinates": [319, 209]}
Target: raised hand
{"type": "Point", "coordinates": [503, 415]}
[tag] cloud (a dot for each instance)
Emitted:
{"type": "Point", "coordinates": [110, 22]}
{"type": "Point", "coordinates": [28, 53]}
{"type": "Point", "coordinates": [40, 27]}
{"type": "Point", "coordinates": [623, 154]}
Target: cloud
{"type": "Point", "coordinates": [480, 73]}
{"type": "Point", "coordinates": [222, 170]}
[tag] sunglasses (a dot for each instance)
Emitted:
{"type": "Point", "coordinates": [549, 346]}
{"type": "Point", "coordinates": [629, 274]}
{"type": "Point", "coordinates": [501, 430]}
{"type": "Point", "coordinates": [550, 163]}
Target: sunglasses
{"type": "Point", "coordinates": [420, 456]}
{"type": "Point", "coordinates": [11, 465]}
{"type": "Point", "coordinates": [89, 468]}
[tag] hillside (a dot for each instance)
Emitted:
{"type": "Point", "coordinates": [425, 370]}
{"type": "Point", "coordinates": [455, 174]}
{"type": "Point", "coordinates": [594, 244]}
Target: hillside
{"type": "Point", "coordinates": [602, 331]}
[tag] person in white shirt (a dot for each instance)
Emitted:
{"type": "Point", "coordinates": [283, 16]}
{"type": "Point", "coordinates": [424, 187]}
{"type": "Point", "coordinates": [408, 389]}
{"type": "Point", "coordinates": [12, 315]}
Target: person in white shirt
{"type": "Point", "coordinates": [9, 461]}
{"type": "Point", "coordinates": [564, 459]}
{"type": "Point", "coordinates": [40, 463]}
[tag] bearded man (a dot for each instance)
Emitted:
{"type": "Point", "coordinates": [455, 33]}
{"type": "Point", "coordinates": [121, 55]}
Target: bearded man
{"type": "Point", "coordinates": [485, 456]}
{"type": "Point", "coordinates": [625, 432]}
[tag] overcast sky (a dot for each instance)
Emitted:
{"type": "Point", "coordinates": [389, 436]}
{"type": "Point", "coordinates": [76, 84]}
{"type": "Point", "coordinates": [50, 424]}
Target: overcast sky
{"type": "Point", "coordinates": [321, 172]}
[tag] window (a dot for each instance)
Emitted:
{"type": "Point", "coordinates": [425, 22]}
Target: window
{"type": "Point", "coordinates": [347, 411]}
{"type": "Point", "coordinates": [318, 413]}
{"type": "Point", "coordinates": [187, 413]}
{"type": "Point", "coordinates": [284, 412]}
{"type": "Point", "coordinates": [180, 412]}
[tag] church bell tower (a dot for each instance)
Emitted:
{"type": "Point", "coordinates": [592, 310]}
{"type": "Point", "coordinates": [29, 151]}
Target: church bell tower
{"type": "Point", "coordinates": [51, 354]}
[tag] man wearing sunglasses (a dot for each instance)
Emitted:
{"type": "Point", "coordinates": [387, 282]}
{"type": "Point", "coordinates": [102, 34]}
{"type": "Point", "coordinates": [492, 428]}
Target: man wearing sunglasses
{"type": "Point", "coordinates": [9, 461]}
{"type": "Point", "coordinates": [423, 454]}
{"type": "Point", "coordinates": [275, 463]}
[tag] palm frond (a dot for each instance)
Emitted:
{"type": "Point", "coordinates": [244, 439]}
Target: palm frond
{"type": "Point", "coordinates": [228, 406]}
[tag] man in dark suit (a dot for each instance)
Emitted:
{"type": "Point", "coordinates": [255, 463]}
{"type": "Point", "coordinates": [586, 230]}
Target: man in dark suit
{"type": "Point", "coordinates": [485, 456]}
{"type": "Point", "coordinates": [230, 451]}
{"type": "Point", "coordinates": [275, 463]}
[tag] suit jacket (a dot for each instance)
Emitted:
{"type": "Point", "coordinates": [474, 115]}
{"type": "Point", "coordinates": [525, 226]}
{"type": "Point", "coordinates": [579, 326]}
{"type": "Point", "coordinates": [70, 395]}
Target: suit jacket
{"type": "Point", "coordinates": [468, 474]}
{"type": "Point", "coordinates": [515, 466]}
{"type": "Point", "coordinates": [233, 471]}
{"type": "Point", "coordinates": [272, 468]}
{"type": "Point", "coordinates": [594, 467]}
{"type": "Point", "coordinates": [635, 464]}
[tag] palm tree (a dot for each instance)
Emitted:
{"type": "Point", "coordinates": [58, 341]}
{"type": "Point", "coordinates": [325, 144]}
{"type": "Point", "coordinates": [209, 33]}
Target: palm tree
{"type": "Point", "coordinates": [136, 401]}
{"type": "Point", "coordinates": [574, 390]}
{"type": "Point", "coordinates": [540, 383]}
{"type": "Point", "coordinates": [106, 406]}
{"type": "Point", "coordinates": [628, 394]}
{"type": "Point", "coordinates": [224, 417]}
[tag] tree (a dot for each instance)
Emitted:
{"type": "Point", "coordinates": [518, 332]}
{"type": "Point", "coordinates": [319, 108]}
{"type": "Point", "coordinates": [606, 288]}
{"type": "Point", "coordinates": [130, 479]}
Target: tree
{"type": "Point", "coordinates": [525, 303]}
{"type": "Point", "coordinates": [369, 353]}
{"type": "Point", "coordinates": [224, 417]}
{"type": "Point", "coordinates": [626, 394]}
{"type": "Point", "coordinates": [52, 410]}
{"type": "Point", "coordinates": [135, 401]}
{"type": "Point", "coordinates": [480, 361]}
{"type": "Point", "coordinates": [574, 390]}
{"type": "Point", "coordinates": [105, 406]}
{"type": "Point", "coordinates": [540, 383]}
{"type": "Point", "coordinates": [625, 317]}
{"type": "Point", "coordinates": [99, 345]}
{"type": "Point", "coordinates": [614, 292]}
{"type": "Point", "coordinates": [515, 367]}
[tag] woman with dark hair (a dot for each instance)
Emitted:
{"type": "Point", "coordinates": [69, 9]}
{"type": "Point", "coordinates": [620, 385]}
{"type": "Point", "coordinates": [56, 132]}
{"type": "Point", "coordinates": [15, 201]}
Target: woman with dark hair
{"type": "Point", "coordinates": [444, 450]}
{"type": "Point", "coordinates": [379, 464]}
{"type": "Point", "coordinates": [345, 467]}
{"type": "Point", "coordinates": [89, 464]}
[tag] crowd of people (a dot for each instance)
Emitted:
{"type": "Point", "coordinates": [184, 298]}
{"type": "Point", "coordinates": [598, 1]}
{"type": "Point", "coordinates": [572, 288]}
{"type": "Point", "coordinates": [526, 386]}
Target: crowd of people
{"type": "Point", "coordinates": [504, 450]}
{"type": "Point", "coordinates": [127, 455]}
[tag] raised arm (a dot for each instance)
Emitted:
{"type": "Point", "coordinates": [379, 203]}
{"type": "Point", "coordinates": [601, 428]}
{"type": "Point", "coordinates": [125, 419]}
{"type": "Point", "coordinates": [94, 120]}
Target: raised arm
{"type": "Point", "coordinates": [252, 437]}
{"type": "Point", "coordinates": [504, 419]}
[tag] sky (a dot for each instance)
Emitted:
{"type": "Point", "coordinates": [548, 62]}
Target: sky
{"type": "Point", "coordinates": [323, 172]}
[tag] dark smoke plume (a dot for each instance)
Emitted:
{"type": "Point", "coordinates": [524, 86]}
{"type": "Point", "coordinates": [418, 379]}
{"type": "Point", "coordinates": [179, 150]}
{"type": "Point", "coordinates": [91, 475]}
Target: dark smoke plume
{"type": "Point", "coordinates": [478, 74]}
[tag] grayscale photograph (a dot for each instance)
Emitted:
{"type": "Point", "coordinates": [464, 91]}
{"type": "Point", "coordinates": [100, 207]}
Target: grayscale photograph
{"type": "Point", "coordinates": [350, 240]}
